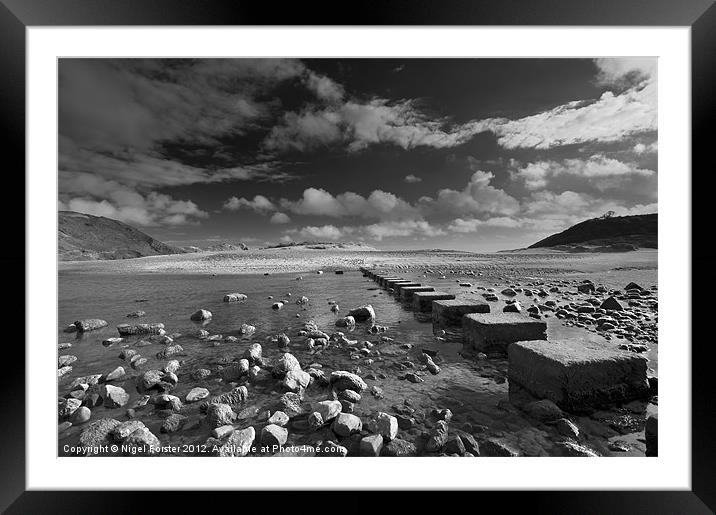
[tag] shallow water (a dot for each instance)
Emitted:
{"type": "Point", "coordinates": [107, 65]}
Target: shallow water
{"type": "Point", "coordinates": [476, 392]}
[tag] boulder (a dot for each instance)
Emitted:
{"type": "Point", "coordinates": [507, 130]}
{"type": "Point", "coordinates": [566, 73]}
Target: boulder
{"type": "Point", "coordinates": [200, 315]}
{"type": "Point", "coordinates": [296, 380]}
{"type": "Point", "coordinates": [235, 297]}
{"type": "Point", "coordinates": [274, 437]}
{"type": "Point", "coordinates": [345, 424]}
{"type": "Point", "coordinates": [363, 313]}
{"type": "Point", "coordinates": [219, 415]}
{"type": "Point", "coordinates": [284, 364]}
{"type": "Point", "coordinates": [343, 380]}
{"type": "Point", "coordinates": [611, 304]}
{"type": "Point", "coordinates": [438, 437]}
{"type": "Point", "coordinates": [328, 409]}
{"type": "Point", "coordinates": [387, 426]}
{"type": "Point", "coordinates": [197, 394]}
{"type": "Point", "coordinates": [371, 445]}
{"type": "Point", "coordinates": [90, 324]}
{"type": "Point", "coordinates": [113, 396]}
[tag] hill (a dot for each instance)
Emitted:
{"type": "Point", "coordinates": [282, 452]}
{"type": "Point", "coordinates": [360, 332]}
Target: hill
{"type": "Point", "coordinates": [606, 234]}
{"type": "Point", "coordinates": [84, 237]}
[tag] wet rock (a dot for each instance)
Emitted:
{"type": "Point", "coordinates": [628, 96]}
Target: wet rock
{"type": "Point", "coordinates": [127, 354]}
{"type": "Point", "coordinates": [429, 363]}
{"type": "Point", "coordinates": [345, 424]}
{"type": "Point", "coordinates": [371, 445]}
{"type": "Point", "coordinates": [544, 410]}
{"type": "Point", "coordinates": [284, 364]}
{"type": "Point", "coordinates": [81, 415]}
{"type": "Point", "coordinates": [454, 445]}
{"type": "Point", "coordinates": [173, 423]}
{"type": "Point", "coordinates": [219, 415]}
{"type": "Point", "coordinates": [200, 373]}
{"type": "Point", "coordinates": [348, 321]}
{"type": "Point", "coordinates": [235, 297]}
{"type": "Point", "coordinates": [66, 360]}
{"type": "Point", "coordinates": [495, 448]}
{"type": "Point", "coordinates": [247, 330]}
{"type": "Point", "coordinates": [97, 433]}
{"type": "Point", "coordinates": [386, 425]}
{"type": "Point", "coordinates": [123, 430]}
{"type": "Point", "coordinates": [290, 403]}
{"type": "Point", "coordinates": [171, 350]}
{"type": "Point", "coordinates": [68, 406]}
{"type": "Point", "coordinates": [349, 395]}
{"type": "Point", "coordinates": [149, 380]}
{"type": "Point", "coordinates": [142, 442]}
{"type": "Point", "coordinates": [90, 324]}
{"type": "Point", "coordinates": [571, 448]}
{"type": "Point", "coordinates": [172, 366]}
{"type": "Point", "coordinates": [113, 396]}
{"type": "Point", "coordinates": [296, 380]}
{"type": "Point", "coordinates": [166, 401]}
{"type": "Point", "coordinates": [200, 315]}
{"type": "Point", "coordinates": [567, 428]}
{"type": "Point", "coordinates": [254, 353]}
{"type": "Point", "coordinates": [514, 307]}
{"type": "Point", "coordinates": [197, 394]}
{"type": "Point", "coordinates": [63, 371]}
{"type": "Point", "coordinates": [138, 363]}
{"type": "Point", "coordinates": [343, 380]}
{"type": "Point", "coordinates": [279, 418]}
{"type": "Point", "coordinates": [136, 314]}
{"type": "Point", "coordinates": [115, 374]}
{"type": "Point", "coordinates": [274, 437]}
{"type": "Point", "coordinates": [130, 330]}
{"type": "Point", "coordinates": [238, 444]}
{"type": "Point", "coordinates": [328, 409]}
{"type": "Point", "coordinates": [235, 371]}
{"type": "Point", "coordinates": [438, 437]}
{"type": "Point", "coordinates": [363, 313]}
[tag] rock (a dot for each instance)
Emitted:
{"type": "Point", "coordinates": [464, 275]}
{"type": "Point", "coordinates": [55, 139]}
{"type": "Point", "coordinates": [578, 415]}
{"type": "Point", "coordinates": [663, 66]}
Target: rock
{"type": "Point", "coordinates": [235, 371]}
{"type": "Point", "coordinates": [488, 332]}
{"type": "Point", "coordinates": [68, 406]}
{"type": "Point", "coordinates": [495, 448]}
{"type": "Point", "coordinates": [571, 448]}
{"type": "Point", "coordinates": [296, 380]}
{"type": "Point", "coordinates": [166, 401]}
{"type": "Point", "coordinates": [123, 430]}
{"type": "Point", "coordinates": [136, 314]}
{"type": "Point", "coordinates": [377, 392]}
{"type": "Point", "coordinates": [515, 307]}
{"type": "Point", "coordinates": [413, 378]}
{"type": "Point", "coordinates": [566, 427]}
{"type": "Point", "coordinates": [633, 286]}
{"type": "Point", "coordinates": [150, 380]}
{"type": "Point", "coordinates": [141, 443]}
{"type": "Point", "coordinates": [235, 297]}
{"type": "Point", "coordinates": [349, 395]}
{"type": "Point", "coordinates": [197, 394]}
{"type": "Point", "coordinates": [274, 437]}
{"type": "Point", "coordinates": [371, 445]}
{"type": "Point", "coordinates": [66, 360]}
{"type": "Point", "coordinates": [291, 403]}
{"type": "Point", "coordinates": [111, 341]}
{"type": "Point", "coordinates": [63, 426]}
{"type": "Point", "coordinates": [345, 424]}
{"type": "Point", "coordinates": [171, 350]}
{"type": "Point", "coordinates": [61, 372]}
{"type": "Point", "coordinates": [586, 287]}
{"type": "Point", "coordinates": [72, 328]}
{"type": "Point", "coordinates": [200, 374]}
{"type": "Point", "coordinates": [363, 313]}
{"type": "Point", "coordinates": [113, 396]}
{"type": "Point", "coordinates": [279, 418]}
{"type": "Point", "coordinates": [115, 374]}
{"type": "Point", "coordinates": [201, 315]}
{"type": "Point", "coordinates": [234, 398]}
{"type": "Point", "coordinates": [97, 434]}
{"type": "Point", "coordinates": [248, 330]}
{"type": "Point", "coordinates": [88, 380]}
{"type": "Point", "coordinates": [222, 432]}
{"type": "Point", "coordinates": [90, 324]}
{"type": "Point", "coordinates": [127, 354]}
{"type": "Point", "coordinates": [346, 322]}
{"type": "Point", "coordinates": [399, 448]}
{"type": "Point", "coordinates": [254, 353]}
{"type": "Point", "coordinates": [438, 437]}
{"type": "Point", "coordinates": [509, 292]}
{"type": "Point", "coordinates": [277, 305]}
{"type": "Point", "coordinates": [328, 409]}
{"type": "Point", "coordinates": [343, 380]}
{"type": "Point", "coordinates": [130, 330]}
{"type": "Point", "coordinates": [454, 445]}
{"type": "Point", "coordinates": [471, 445]}
{"type": "Point", "coordinates": [544, 410]}
{"type": "Point", "coordinates": [387, 425]}
{"type": "Point", "coordinates": [138, 363]}
{"type": "Point", "coordinates": [284, 364]}
{"type": "Point", "coordinates": [219, 415]}
{"type": "Point", "coordinates": [238, 444]}
{"type": "Point", "coordinates": [172, 366]}
{"type": "Point", "coordinates": [81, 415]}
{"type": "Point", "coordinates": [62, 346]}
{"type": "Point", "coordinates": [173, 423]}
{"type": "Point", "coordinates": [315, 420]}
{"type": "Point", "coordinates": [611, 304]}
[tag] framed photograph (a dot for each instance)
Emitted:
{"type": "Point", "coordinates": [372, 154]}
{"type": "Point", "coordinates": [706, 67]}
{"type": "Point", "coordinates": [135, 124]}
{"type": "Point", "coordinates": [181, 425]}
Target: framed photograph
{"type": "Point", "coordinates": [442, 233]}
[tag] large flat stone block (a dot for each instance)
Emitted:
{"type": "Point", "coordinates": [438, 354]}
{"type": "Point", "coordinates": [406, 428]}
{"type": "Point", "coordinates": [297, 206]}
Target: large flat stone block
{"type": "Point", "coordinates": [576, 374]}
{"type": "Point", "coordinates": [493, 332]}
{"type": "Point", "coordinates": [393, 282]}
{"type": "Point", "coordinates": [450, 312]}
{"type": "Point", "coordinates": [384, 280]}
{"type": "Point", "coordinates": [398, 287]}
{"type": "Point", "coordinates": [406, 292]}
{"type": "Point", "coordinates": [423, 300]}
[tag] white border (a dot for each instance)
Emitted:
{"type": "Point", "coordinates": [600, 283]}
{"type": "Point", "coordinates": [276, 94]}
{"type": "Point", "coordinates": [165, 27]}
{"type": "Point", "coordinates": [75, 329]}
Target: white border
{"type": "Point", "coordinates": [671, 470]}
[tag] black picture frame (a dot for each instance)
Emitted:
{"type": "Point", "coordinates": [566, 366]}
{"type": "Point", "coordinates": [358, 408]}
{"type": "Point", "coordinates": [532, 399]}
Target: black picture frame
{"type": "Point", "coordinates": [17, 15]}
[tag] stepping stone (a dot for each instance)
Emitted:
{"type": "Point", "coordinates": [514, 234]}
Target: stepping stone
{"type": "Point", "coordinates": [450, 312]}
{"type": "Point", "coordinates": [383, 281]}
{"type": "Point", "coordinates": [398, 287]}
{"type": "Point", "coordinates": [576, 374]}
{"type": "Point", "coordinates": [423, 300]}
{"type": "Point", "coordinates": [393, 283]}
{"type": "Point", "coordinates": [493, 332]}
{"type": "Point", "coordinates": [406, 292]}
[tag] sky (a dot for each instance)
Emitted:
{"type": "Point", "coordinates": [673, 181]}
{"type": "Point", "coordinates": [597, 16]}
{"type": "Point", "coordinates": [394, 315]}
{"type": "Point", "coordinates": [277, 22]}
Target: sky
{"type": "Point", "coordinates": [467, 154]}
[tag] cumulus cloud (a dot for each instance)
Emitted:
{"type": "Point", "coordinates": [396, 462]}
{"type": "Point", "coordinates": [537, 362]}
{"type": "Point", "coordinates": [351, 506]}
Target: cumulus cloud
{"type": "Point", "coordinates": [324, 87]}
{"type": "Point", "coordinates": [602, 171]}
{"type": "Point", "coordinates": [641, 148]}
{"type": "Point", "coordinates": [618, 70]}
{"type": "Point", "coordinates": [466, 225]}
{"type": "Point", "coordinates": [280, 218]}
{"type": "Point", "coordinates": [324, 232]}
{"type": "Point", "coordinates": [412, 179]}
{"type": "Point", "coordinates": [478, 197]}
{"type": "Point", "coordinates": [376, 231]}
{"type": "Point", "coordinates": [379, 204]}
{"type": "Point", "coordinates": [260, 204]}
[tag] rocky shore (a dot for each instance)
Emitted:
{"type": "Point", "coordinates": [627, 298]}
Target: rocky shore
{"type": "Point", "coordinates": [341, 390]}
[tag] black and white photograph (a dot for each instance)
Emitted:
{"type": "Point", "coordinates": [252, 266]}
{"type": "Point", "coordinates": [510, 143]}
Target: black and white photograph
{"type": "Point", "coordinates": [360, 257]}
